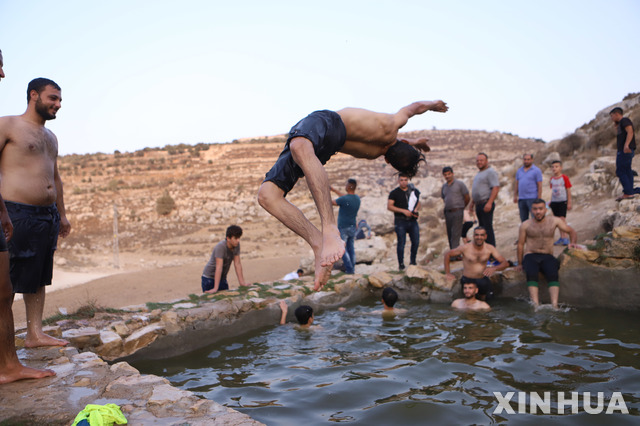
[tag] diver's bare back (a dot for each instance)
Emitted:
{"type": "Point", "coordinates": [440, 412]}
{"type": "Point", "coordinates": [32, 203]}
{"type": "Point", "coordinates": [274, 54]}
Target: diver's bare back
{"type": "Point", "coordinates": [27, 162]}
{"type": "Point", "coordinates": [369, 134]}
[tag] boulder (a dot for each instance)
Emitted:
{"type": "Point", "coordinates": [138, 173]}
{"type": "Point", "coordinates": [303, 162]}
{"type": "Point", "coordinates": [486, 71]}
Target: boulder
{"type": "Point", "coordinates": [380, 279]}
{"type": "Point", "coordinates": [143, 337]}
{"type": "Point", "coordinates": [630, 232]}
{"type": "Point", "coordinates": [620, 247]}
{"type": "Point", "coordinates": [82, 337]}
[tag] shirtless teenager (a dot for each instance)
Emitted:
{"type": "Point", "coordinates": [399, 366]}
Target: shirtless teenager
{"type": "Point", "coordinates": [538, 234]}
{"type": "Point", "coordinates": [11, 369]}
{"type": "Point", "coordinates": [469, 301]}
{"type": "Point", "coordinates": [474, 260]}
{"type": "Point", "coordinates": [32, 192]}
{"type": "Point", "coordinates": [311, 143]}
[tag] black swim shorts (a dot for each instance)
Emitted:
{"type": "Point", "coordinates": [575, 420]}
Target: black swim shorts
{"type": "Point", "coordinates": [533, 263]}
{"type": "Point", "coordinates": [484, 285]}
{"type": "Point", "coordinates": [559, 208]}
{"type": "Point", "coordinates": [3, 241]}
{"type": "Point", "coordinates": [35, 237]}
{"type": "Point", "coordinates": [325, 130]}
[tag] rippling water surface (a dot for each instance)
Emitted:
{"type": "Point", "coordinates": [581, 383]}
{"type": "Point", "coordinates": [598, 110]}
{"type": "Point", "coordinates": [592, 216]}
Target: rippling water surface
{"type": "Point", "coordinates": [430, 366]}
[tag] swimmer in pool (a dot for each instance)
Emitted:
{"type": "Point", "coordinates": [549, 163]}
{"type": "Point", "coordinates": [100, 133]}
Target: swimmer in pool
{"type": "Point", "coordinates": [303, 313]}
{"type": "Point", "coordinates": [389, 299]}
{"type": "Point", "coordinates": [469, 301]}
{"type": "Point", "coordinates": [311, 143]}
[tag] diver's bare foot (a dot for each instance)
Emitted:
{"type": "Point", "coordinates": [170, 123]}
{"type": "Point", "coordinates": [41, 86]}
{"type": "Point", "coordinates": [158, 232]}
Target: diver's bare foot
{"type": "Point", "coordinates": [20, 372]}
{"type": "Point", "coordinates": [322, 274]}
{"type": "Point", "coordinates": [44, 340]}
{"type": "Point", "coordinates": [332, 247]}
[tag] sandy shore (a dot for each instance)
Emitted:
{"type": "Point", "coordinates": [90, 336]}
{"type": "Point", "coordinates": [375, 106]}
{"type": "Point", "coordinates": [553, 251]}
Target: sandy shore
{"type": "Point", "coordinates": [71, 290]}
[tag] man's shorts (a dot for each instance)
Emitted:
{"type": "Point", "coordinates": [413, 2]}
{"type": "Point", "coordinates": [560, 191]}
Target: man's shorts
{"type": "Point", "coordinates": [533, 263]}
{"type": "Point", "coordinates": [3, 241]}
{"type": "Point", "coordinates": [559, 208]}
{"type": "Point", "coordinates": [35, 239]}
{"type": "Point", "coordinates": [209, 283]}
{"type": "Point", "coordinates": [325, 130]}
{"type": "Point", "coordinates": [484, 285]}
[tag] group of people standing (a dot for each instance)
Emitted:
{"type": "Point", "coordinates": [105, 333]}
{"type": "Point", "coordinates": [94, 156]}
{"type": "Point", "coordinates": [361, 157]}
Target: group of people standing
{"type": "Point", "coordinates": [480, 257]}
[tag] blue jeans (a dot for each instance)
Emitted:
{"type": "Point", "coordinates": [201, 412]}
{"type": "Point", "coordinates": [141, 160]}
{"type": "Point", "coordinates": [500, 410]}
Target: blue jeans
{"type": "Point", "coordinates": [402, 228]}
{"type": "Point", "coordinates": [524, 205]}
{"type": "Point", "coordinates": [624, 171]}
{"type": "Point", "coordinates": [209, 283]}
{"type": "Point", "coordinates": [349, 258]}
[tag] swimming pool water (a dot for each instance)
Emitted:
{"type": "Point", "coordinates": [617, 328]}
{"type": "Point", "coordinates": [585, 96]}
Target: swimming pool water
{"type": "Point", "coordinates": [432, 365]}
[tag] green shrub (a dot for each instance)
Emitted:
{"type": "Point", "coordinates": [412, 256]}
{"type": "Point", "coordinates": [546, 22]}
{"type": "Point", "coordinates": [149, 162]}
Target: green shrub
{"type": "Point", "coordinates": [165, 204]}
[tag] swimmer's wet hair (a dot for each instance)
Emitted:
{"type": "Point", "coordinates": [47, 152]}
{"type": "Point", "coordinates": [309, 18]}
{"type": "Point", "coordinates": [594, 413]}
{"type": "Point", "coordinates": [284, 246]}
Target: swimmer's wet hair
{"type": "Point", "coordinates": [234, 231]}
{"type": "Point", "coordinates": [38, 84]}
{"type": "Point", "coordinates": [389, 296]}
{"type": "Point", "coordinates": [404, 158]}
{"type": "Point", "coordinates": [303, 313]}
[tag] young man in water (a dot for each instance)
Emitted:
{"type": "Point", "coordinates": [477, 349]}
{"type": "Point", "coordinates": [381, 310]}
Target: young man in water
{"type": "Point", "coordinates": [469, 301]}
{"type": "Point", "coordinates": [303, 313]}
{"type": "Point", "coordinates": [32, 191]}
{"type": "Point", "coordinates": [11, 369]}
{"type": "Point", "coordinates": [474, 260]}
{"type": "Point", "coordinates": [389, 299]}
{"type": "Point", "coordinates": [311, 143]}
{"type": "Point", "coordinates": [537, 234]}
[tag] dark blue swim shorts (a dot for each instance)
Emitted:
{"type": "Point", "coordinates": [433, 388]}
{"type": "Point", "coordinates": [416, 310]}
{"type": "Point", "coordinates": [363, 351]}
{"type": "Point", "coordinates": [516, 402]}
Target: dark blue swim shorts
{"type": "Point", "coordinates": [325, 130]}
{"type": "Point", "coordinates": [35, 237]}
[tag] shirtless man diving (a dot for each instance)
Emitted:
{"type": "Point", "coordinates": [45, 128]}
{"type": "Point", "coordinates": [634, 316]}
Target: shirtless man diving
{"type": "Point", "coordinates": [311, 143]}
{"type": "Point", "coordinates": [32, 191]}
{"type": "Point", "coordinates": [11, 369]}
{"type": "Point", "coordinates": [537, 235]}
{"type": "Point", "coordinates": [474, 260]}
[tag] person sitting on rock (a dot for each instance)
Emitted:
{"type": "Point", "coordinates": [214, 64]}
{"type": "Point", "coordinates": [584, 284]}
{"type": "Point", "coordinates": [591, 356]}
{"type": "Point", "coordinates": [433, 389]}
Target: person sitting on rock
{"type": "Point", "coordinates": [469, 301]}
{"type": "Point", "coordinates": [474, 260]}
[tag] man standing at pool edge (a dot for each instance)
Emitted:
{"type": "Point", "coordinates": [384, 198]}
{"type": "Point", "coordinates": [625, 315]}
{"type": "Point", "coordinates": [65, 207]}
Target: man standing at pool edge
{"type": "Point", "coordinates": [32, 190]}
{"type": "Point", "coordinates": [311, 143]}
{"type": "Point", "coordinates": [11, 369]}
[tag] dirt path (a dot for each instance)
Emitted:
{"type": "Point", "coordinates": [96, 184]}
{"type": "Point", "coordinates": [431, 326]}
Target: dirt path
{"type": "Point", "coordinates": [153, 285]}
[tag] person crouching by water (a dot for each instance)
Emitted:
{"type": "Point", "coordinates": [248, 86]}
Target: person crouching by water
{"type": "Point", "coordinates": [474, 260]}
{"type": "Point", "coordinates": [214, 276]}
{"type": "Point", "coordinates": [538, 233]}
{"type": "Point", "coordinates": [469, 301]}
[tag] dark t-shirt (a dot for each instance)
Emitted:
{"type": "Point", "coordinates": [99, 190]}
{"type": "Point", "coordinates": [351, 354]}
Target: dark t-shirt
{"type": "Point", "coordinates": [349, 206]}
{"type": "Point", "coordinates": [401, 200]}
{"type": "Point", "coordinates": [220, 251]}
{"type": "Point", "coordinates": [622, 134]}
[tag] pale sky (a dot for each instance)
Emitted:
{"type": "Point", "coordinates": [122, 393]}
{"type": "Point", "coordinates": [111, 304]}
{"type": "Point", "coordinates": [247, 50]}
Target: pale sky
{"type": "Point", "coordinates": [138, 74]}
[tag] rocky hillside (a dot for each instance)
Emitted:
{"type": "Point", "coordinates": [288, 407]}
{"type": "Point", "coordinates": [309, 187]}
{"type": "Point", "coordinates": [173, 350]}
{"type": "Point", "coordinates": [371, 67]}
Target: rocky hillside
{"type": "Point", "coordinates": [214, 185]}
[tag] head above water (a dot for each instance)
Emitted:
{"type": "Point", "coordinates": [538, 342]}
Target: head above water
{"type": "Point", "coordinates": [404, 158]}
{"type": "Point", "coordinates": [389, 296]}
{"type": "Point", "coordinates": [470, 290]}
{"type": "Point", "coordinates": [303, 314]}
